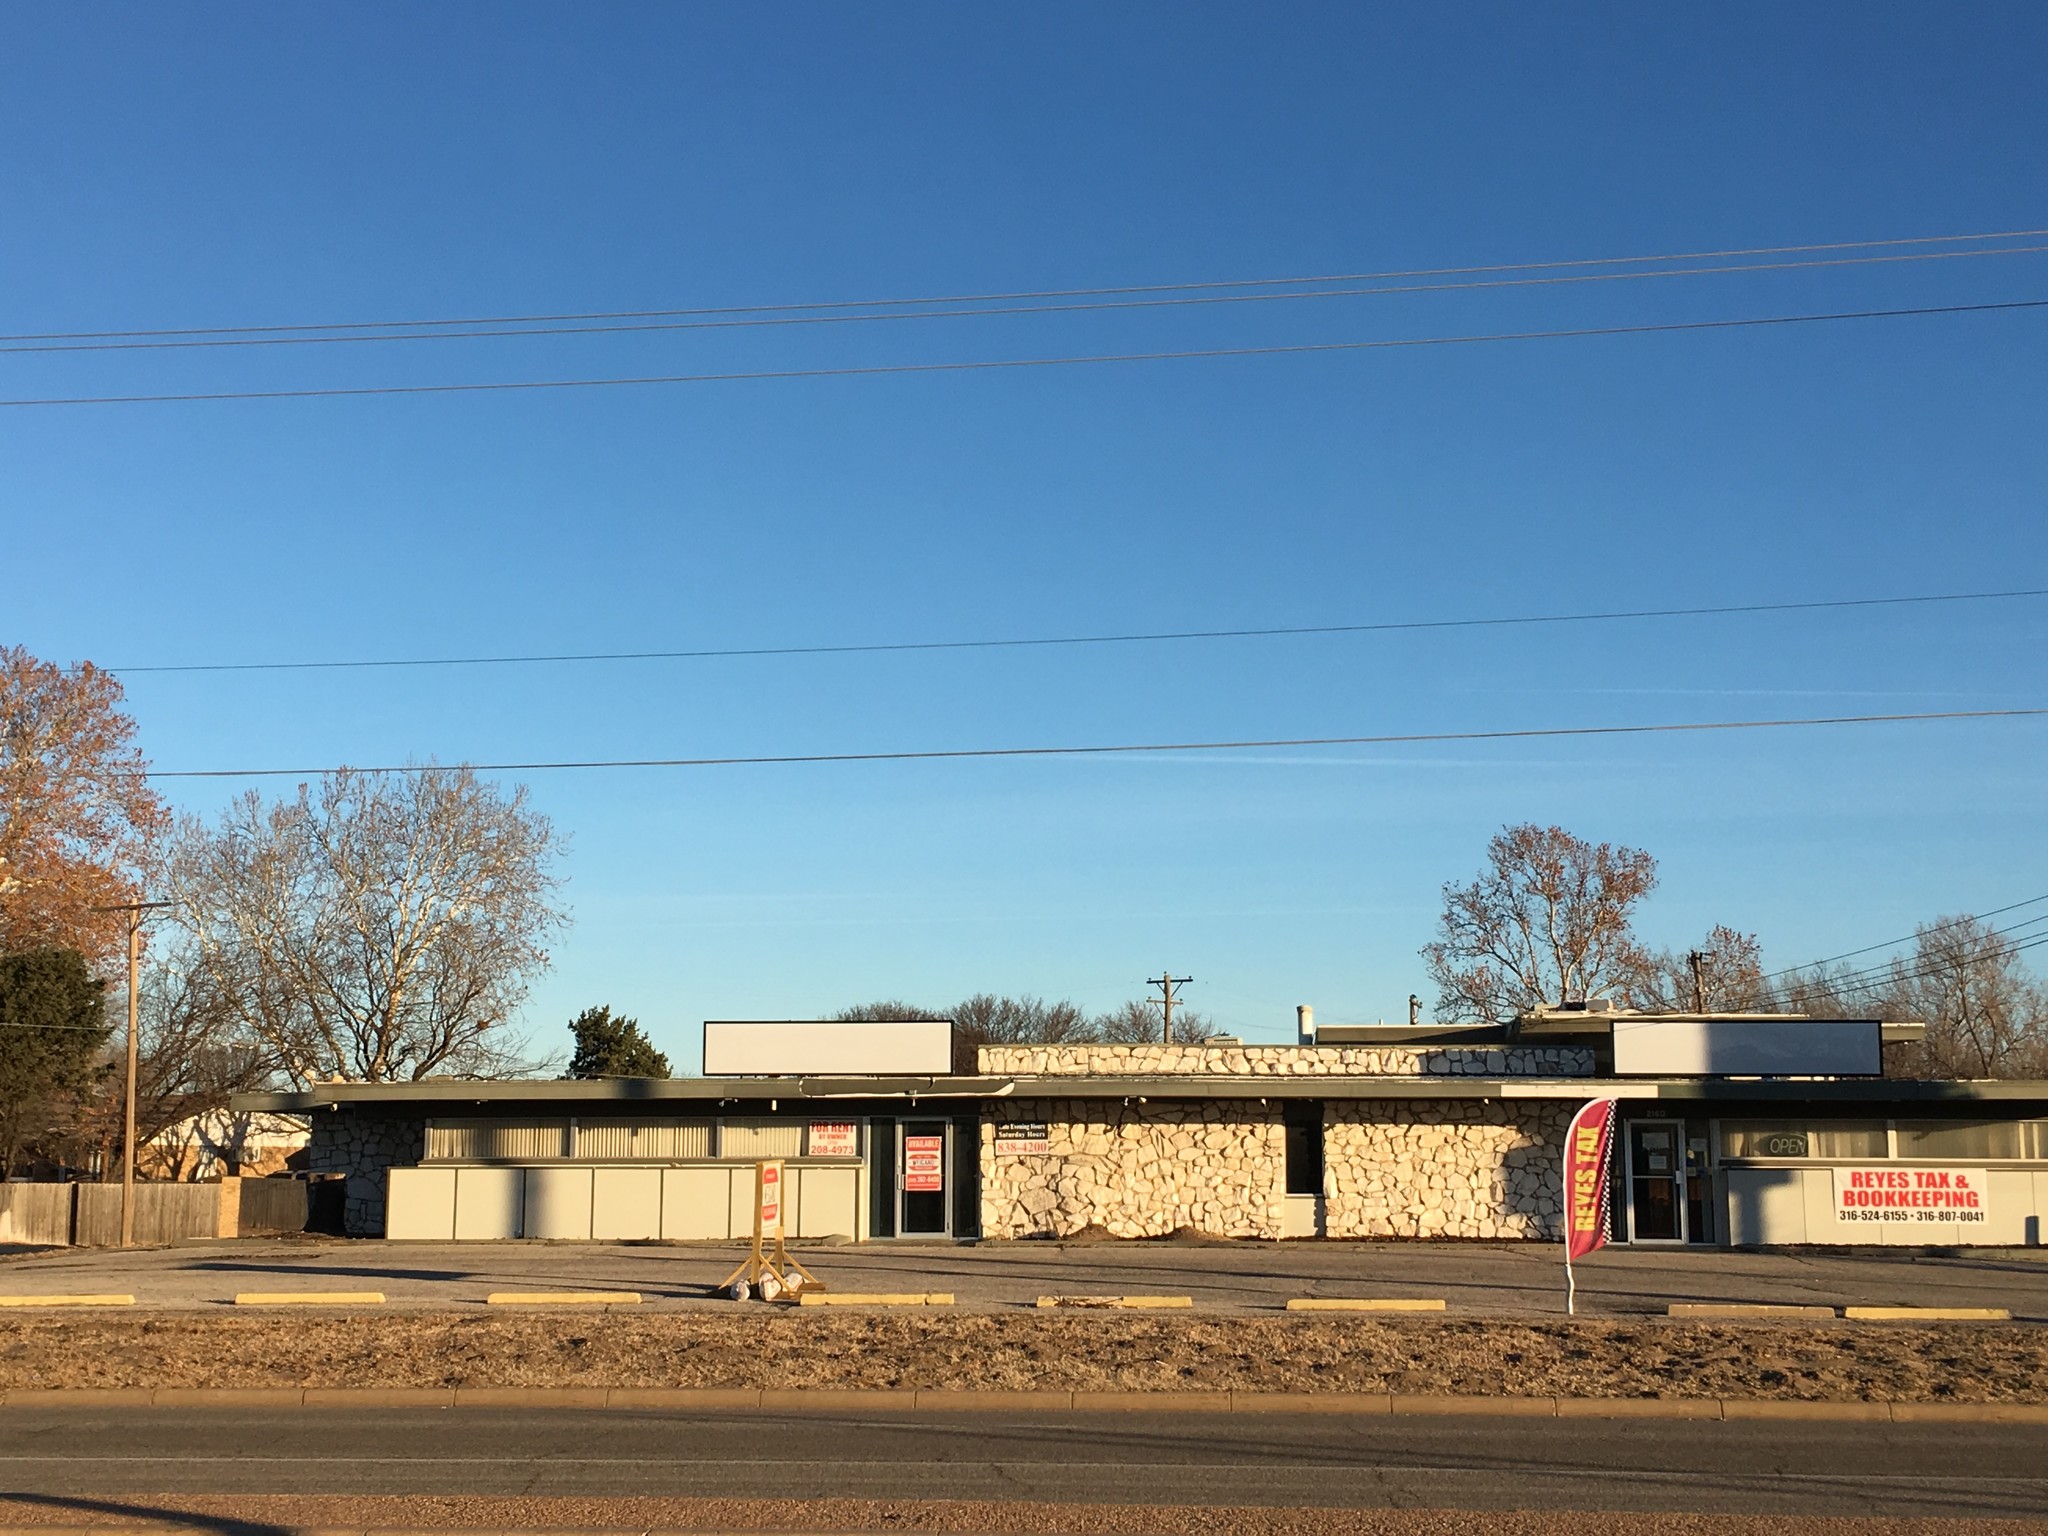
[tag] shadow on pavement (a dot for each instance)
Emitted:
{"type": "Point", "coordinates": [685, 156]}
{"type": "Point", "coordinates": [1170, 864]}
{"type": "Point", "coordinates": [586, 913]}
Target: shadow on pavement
{"type": "Point", "coordinates": [129, 1510]}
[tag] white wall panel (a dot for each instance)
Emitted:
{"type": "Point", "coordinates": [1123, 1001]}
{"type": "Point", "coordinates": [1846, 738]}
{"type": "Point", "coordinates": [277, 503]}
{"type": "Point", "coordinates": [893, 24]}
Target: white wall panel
{"type": "Point", "coordinates": [827, 1202]}
{"type": "Point", "coordinates": [696, 1203]}
{"type": "Point", "coordinates": [488, 1203]}
{"type": "Point", "coordinates": [557, 1203]}
{"type": "Point", "coordinates": [625, 1204]}
{"type": "Point", "coordinates": [420, 1204]}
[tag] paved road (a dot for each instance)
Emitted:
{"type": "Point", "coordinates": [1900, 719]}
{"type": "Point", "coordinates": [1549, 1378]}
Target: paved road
{"type": "Point", "coordinates": [1505, 1279]}
{"type": "Point", "coordinates": [1801, 1468]}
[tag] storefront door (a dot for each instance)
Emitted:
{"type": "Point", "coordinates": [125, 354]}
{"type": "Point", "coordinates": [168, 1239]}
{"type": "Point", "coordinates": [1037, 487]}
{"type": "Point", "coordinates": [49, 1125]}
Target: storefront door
{"type": "Point", "coordinates": [1656, 1181]}
{"type": "Point", "coordinates": [921, 1162]}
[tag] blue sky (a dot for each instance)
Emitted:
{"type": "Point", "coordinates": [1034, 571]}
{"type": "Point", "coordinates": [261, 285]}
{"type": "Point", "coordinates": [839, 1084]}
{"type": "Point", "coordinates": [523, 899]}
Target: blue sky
{"type": "Point", "coordinates": [248, 165]}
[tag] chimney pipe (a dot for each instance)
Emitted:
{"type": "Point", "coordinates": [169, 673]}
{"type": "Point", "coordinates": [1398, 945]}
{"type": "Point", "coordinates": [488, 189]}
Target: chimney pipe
{"type": "Point", "coordinates": [1414, 1009]}
{"type": "Point", "coordinates": [1305, 1021]}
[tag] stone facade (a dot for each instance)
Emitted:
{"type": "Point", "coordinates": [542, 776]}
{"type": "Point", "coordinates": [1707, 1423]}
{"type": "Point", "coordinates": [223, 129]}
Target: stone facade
{"type": "Point", "coordinates": [1436, 1168]}
{"type": "Point", "coordinates": [1281, 1061]}
{"type": "Point", "coordinates": [364, 1147]}
{"type": "Point", "coordinates": [1137, 1170]}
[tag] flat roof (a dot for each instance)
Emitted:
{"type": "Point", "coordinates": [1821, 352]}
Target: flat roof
{"type": "Point", "coordinates": [616, 1094]}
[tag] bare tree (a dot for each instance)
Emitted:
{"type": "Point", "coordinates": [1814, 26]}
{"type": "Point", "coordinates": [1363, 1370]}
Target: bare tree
{"type": "Point", "coordinates": [382, 928]}
{"type": "Point", "coordinates": [1730, 978]}
{"type": "Point", "coordinates": [1547, 921]}
{"type": "Point", "coordinates": [77, 815]}
{"type": "Point", "coordinates": [1137, 1023]}
{"type": "Point", "coordinates": [1985, 1015]}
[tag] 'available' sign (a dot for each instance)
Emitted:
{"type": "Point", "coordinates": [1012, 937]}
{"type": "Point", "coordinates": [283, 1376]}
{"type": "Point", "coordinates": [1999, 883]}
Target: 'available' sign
{"type": "Point", "coordinates": [1916, 1196]}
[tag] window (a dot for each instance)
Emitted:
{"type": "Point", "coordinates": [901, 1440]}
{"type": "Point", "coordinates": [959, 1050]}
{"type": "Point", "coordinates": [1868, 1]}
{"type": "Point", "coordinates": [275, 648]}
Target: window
{"type": "Point", "coordinates": [1823, 1140]}
{"type": "Point", "coordinates": [1974, 1140]}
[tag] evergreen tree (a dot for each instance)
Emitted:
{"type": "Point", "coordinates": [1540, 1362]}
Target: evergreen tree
{"type": "Point", "coordinates": [52, 1027]}
{"type": "Point", "coordinates": [613, 1047]}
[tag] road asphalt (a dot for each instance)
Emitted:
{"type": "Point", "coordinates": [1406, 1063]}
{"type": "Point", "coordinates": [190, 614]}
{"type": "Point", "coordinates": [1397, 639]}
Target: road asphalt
{"type": "Point", "coordinates": [1502, 1279]}
{"type": "Point", "coordinates": [80, 1458]}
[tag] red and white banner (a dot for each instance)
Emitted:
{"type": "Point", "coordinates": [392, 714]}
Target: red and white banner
{"type": "Point", "coordinates": [924, 1163]}
{"type": "Point", "coordinates": [1913, 1196]}
{"type": "Point", "coordinates": [1586, 1142]}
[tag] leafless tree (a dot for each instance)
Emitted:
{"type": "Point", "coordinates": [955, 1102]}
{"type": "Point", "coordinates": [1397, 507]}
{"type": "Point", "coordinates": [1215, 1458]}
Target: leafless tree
{"type": "Point", "coordinates": [380, 927]}
{"type": "Point", "coordinates": [1731, 977]}
{"type": "Point", "coordinates": [1137, 1023]}
{"type": "Point", "coordinates": [1986, 1016]}
{"type": "Point", "coordinates": [1546, 921]}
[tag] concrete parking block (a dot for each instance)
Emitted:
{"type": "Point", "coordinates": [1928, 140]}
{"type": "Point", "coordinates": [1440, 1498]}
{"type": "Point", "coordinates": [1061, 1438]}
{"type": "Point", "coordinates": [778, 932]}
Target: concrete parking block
{"type": "Point", "coordinates": [810, 1298]}
{"type": "Point", "coordinates": [67, 1301]}
{"type": "Point", "coordinates": [563, 1299]}
{"type": "Point", "coordinates": [309, 1298]}
{"type": "Point", "coordinates": [1928, 1314]}
{"type": "Point", "coordinates": [1365, 1304]}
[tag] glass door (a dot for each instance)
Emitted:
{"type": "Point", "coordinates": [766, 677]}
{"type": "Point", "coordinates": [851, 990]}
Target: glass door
{"type": "Point", "coordinates": [1656, 1181]}
{"type": "Point", "coordinates": [921, 1204]}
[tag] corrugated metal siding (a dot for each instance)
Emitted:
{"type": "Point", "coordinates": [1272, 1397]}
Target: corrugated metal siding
{"type": "Point", "coordinates": [760, 1138]}
{"type": "Point", "coordinates": [496, 1140]}
{"type": "Point", "coordinates": [625, 1141]}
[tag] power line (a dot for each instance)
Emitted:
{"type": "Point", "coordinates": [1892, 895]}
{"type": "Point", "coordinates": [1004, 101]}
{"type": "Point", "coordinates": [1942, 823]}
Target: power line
{"type": "Point", "coordinates": [1923, 971]}
{"type": "Point", "coordinates": [1848, 954]}
{"type": "Point", "coordinates": [884, 647]}
{"type": "Point", "coordinates": [1403, 739]}
{"type": "Point", "coordinates": [1040, 293]}
{"type": "Point", "coordinates": [634, 327]}
{"type": "Point", "coordinates": [1878, 972]}
{"type": "Point", "coordinates": [985, 364]}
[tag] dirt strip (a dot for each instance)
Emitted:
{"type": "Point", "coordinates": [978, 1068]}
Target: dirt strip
{"type": "Point", "coordinates": [773, 1347]}
{"type": "Point", "coordinates": [288, 1515]}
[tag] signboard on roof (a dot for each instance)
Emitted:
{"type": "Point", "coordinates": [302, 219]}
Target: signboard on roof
{"type": "Point", "coordinates": [1654, 1047]}
{"type": "Point", "coordinates": [827, 1048]}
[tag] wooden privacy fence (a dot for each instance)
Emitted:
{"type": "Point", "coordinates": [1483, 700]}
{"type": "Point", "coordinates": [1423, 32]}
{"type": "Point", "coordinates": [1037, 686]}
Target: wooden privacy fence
{"type": "Point", "coordinates": [89, 1215]}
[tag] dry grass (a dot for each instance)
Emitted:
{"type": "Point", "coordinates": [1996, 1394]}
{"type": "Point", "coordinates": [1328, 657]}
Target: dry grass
{"type": "Point", "coordinates": [762, 1346]}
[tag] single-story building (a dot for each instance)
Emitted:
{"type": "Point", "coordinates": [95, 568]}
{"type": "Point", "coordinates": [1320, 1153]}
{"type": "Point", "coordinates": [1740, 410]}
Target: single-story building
{"type": "Point", "coordinates": [1730, 1130]}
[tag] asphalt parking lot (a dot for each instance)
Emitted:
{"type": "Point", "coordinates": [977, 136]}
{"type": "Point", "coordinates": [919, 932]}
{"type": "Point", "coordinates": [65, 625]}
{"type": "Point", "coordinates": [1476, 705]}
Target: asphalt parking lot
{"type": "Point", "coordinates": [1503, 1279]}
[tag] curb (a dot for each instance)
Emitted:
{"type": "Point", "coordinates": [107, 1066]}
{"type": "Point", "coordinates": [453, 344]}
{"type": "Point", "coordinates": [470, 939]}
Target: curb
{"type": "Point", "coordinates": [902, 1400]}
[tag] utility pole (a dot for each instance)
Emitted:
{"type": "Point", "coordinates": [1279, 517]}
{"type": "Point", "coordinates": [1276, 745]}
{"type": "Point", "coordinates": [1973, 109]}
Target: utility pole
{"type": "Point", "coordinates": [135, 911]}
{"type": "Point", "coordinates": [1698, 962]}
{"type": "Point", "coordinates": [1166, 981]}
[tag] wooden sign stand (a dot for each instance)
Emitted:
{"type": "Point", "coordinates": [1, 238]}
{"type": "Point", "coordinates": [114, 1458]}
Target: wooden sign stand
{"type": "Point", "coordinates": [770, 1183]}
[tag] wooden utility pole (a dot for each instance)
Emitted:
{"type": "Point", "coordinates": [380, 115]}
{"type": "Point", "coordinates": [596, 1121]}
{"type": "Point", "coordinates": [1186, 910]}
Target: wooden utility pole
{"type": "Point", "coordinates": [1698, 962]}
{"type": "Point", "coordinates": [1166, 981]}
{"type": "Point", "coordinates": [135, 911]}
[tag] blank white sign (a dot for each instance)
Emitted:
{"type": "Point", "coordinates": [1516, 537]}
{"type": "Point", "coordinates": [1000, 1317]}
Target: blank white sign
{"type": "Point", "coordinates": [827, 1048]}
{"type": "Point", "coordinates": [1747, 1048]}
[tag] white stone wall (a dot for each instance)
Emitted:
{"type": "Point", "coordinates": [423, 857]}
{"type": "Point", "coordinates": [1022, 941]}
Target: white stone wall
{"type": "Point", "coordinates": [1137, 1170]}
{"type": "Point", "coordinates": [1281, 1061]}
{"type": "Point", "coordinates": [1437, 1168]}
